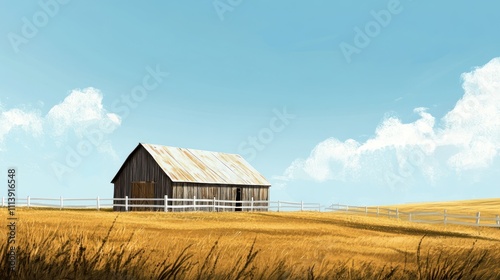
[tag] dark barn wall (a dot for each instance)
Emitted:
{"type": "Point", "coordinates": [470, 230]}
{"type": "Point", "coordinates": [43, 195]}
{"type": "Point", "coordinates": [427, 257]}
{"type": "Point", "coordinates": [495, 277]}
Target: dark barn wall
{"type": "Point", "coordinates": [141, 166]}
{"type": "Point", "coordinates": [220, 192]}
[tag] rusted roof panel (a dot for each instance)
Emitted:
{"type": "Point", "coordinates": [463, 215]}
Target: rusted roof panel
{"type": "Point", "coordinates": [196, 166]}
{"type": "Point", "coordinates": [211, 160]}
{"type": "Point", "coordinates": [241, 167]}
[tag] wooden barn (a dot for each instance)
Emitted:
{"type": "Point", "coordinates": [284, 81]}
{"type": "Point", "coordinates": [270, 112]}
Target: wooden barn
{"type": "Point", "coordinates": [153, 171]}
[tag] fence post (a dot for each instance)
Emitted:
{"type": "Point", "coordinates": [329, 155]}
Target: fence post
{"type": "Point", "coordinates": [409, 217]}
{"type": "Point", "coordinates": [279, 204]}
{"type": "Point", "coordinates": [301, 205]}
{"type": "Point", "coordinates": [347, 208]}
{"type": "Point", "coordinates": [498, 220]}
{"type": "Point", "coordinates": [126, 203]}
{"type": "Point", "coordinates": [3, 201]}
{"type": "Point", "coordinates": [478, 218]}
{"type": "Point", "coordinates": [98, 203]}
{"type": "Point", "coordinates": [366, 210]}
{"type": "Point", "coordinates": [397, 213]}
{"type": "Point", "coordinates": [213, 205]}
{"type": "Point", "coordinates": [62, 203]}
{"type": "Point", "coordinates": [378, 211]}
{"type": "Point", "coordinates": [194, 203]}
{"type": "Point", "coordinates": [166, 203]}
{"type": "Point", "coordinates": [251, 205]}
{"type": "Point", "coordinates": [319, 207]}
{"type": "Point", "coordinates": [445, 217]}
{"type": "Point", "coordinates": [28, 201]}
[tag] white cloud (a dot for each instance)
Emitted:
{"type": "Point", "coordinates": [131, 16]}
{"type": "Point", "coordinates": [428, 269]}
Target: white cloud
{"type": "Point", "coordinates": [30, 122]}
{"type": "Point", "coordinates": [467, 138]}
{"type": "Point", "coordinates": [80, 111]}
{"type": "Point", "coordinates": [474, 124]}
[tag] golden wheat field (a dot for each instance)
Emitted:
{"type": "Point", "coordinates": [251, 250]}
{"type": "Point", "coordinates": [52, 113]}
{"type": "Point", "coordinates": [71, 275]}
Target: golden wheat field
{"type": "Point", "coordinates": [89, 244]}
{"type": "Point", "coordinates": [489, 207]}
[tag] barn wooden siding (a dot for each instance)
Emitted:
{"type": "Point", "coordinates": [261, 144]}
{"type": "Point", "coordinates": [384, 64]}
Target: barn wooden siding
{"type": "Point", "coordinates": [140, 166]}
{"type": "Point", "coordinates": [220, 192]}
{"type": "Point", "coordinates": [198, 173]}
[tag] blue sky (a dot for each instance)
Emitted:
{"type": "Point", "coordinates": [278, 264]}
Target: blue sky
{"type": "Point", "coordinates": [333, 101]}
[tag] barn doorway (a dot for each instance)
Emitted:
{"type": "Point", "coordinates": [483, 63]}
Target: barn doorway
{"type": "Point", "coordinates": [142, 189]}
{"type": "Point", "coordinates": [238, 200]}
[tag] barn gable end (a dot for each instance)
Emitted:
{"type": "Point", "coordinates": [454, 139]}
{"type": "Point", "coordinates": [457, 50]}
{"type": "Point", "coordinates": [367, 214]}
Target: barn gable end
{"type": "Point", "coordinates": [140, 167]}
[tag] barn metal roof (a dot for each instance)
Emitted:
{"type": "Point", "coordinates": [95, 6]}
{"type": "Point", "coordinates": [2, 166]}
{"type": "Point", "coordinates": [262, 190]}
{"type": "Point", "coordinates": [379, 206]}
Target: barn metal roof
{"type": "Point", "coordinates": [197, 166]}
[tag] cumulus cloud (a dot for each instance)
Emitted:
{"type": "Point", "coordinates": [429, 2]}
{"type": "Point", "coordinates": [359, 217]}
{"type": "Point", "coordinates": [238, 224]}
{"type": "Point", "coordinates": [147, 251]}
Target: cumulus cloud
{"type": "Point", "coordinates": [30, 122]}
{"type": "Point", "coordinates": [474, 124]}
{"type": "Point", "coordinates": [81, 111]}
{"type": "Point", "coordinates": [466, 138]}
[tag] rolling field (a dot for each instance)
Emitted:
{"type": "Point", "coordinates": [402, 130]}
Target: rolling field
{"type": "Point", "coordinates": [87, 244]}
{"type": "Point", "coordinates": [490, 207]}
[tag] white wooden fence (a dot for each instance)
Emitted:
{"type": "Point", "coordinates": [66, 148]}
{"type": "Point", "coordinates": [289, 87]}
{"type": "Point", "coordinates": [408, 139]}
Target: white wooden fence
{"type": "Point", "coordinates": [167, 204]}
{"type": "Point", "coordinates": [164, 204]}
{"type": "Point", "coordinates": [421, 217]}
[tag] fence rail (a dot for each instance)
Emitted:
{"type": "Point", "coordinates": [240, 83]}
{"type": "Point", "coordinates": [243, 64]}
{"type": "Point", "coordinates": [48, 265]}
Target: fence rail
{"type": "Point", "coordinates": [163, 204]}
{"type": "Point", "coordinates": [167, 204]}
{"type": "Point", "coordinates": [420, 217]}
